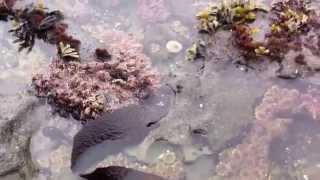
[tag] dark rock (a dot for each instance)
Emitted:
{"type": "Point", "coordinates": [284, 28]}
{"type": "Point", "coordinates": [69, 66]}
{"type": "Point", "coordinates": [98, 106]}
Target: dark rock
{"type": "Point", "coordinates": [119, 173]}
{"type": "Point", "coordinates": [15, 132]}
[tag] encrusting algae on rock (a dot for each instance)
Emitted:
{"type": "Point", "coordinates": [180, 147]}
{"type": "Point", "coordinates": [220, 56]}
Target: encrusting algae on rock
{"type": "Point", "coordinates": [121, 74]}
{"type": "Point", "coordinates": [85, 90]}
{"type": "Point", "coordinates": [250, 159]}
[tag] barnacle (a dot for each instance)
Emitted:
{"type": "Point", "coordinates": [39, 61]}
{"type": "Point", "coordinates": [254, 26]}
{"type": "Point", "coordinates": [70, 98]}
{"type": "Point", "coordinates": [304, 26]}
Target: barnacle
{"type": "Point", "coordinates": [66, 51]}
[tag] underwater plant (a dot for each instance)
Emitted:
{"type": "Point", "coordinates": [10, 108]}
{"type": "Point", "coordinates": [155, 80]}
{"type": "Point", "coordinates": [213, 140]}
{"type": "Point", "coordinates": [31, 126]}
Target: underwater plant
{"type": "Point", "coordinates": [228, 14]}
{"type": "Point", "coordinates": [37, 22]}
{"type": "Point", "coordinates": [291, 22]}
{"type": "Point", "coordinates": [251, 158]}
{"type": "Point", "coordinates": [31, 23]}
{"type": "Point", "coordinates": [292, 18]}
{"type": "Point", "coordinates": [120, 76]}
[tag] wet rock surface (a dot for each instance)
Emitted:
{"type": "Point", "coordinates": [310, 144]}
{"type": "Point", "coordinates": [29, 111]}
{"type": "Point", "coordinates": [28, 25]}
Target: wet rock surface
{"type": "Point", "coordinates": [16, 132]}
{"type": "Point", "coordinates": [51, 144]}
{"type": "Point", "coordinates": [213, 115]}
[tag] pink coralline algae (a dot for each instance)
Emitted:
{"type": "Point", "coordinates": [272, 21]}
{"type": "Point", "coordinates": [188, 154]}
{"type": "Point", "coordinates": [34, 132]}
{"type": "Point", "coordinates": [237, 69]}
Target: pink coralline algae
{"type": "Point", "coordinates": [87, 89]}
{"type": "Point", "coordinates": [153, 10]}
{"type": "Point", "coordinates": [250, 159]}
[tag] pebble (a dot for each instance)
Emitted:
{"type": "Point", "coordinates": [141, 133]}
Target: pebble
{"type": "Point", "coordinates": [174, 46]}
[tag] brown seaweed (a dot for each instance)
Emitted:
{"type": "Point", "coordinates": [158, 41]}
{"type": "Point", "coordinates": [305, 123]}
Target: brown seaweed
{"type": "Point", "coordinates": [294, 26]}
{"type": "Point", "coordinates": [36, 22]}
{"type": "Point", "coordinates": [32, 23]}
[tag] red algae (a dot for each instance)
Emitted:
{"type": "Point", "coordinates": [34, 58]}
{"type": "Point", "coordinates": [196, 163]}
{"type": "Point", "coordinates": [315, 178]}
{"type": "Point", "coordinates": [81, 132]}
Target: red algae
{"type": "Point", "coordinates": [6, 8]}
{"type": "Point", "coordinates": [87, 89]}
{"type": "Point", "coordinates": [250, 159]}
{"type": "Point", "coordinates": [7, 3]}
{"type": "Point", "coordinates": [153, 10]}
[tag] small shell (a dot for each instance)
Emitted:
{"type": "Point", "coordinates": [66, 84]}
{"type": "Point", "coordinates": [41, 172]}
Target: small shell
{"type": "Point", "coordinates": [174, 46]}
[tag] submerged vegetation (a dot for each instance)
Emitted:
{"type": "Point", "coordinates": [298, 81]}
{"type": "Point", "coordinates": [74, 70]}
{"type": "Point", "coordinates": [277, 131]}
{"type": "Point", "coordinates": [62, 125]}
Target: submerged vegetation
{"type": "Point", "coordinates": [291, 20]}
{"type": "Point", "coordinates": [227, 15]}
{"type": "Point", "coordinates": [122, 75]}
{"type": "Point", "coordinates": [36, 22]}
{"type": "Point", "coordinates": [274, 117]}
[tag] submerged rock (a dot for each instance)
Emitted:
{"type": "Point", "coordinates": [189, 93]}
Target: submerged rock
{"type": "Point", "coordinates": [274, 117]}
{"type": "Point", "coordinates": [15, 132]}
{"type": "Point", "coordinates": [154, 10]}
{"type": "Point", "coordinates": [123, 128]}
{"type": "Point", "coordinates": [51, 144]}
{"type": "Point", "coordinates": [119, 173]}
{"type": "Point", "coordinates": [166, 165]}
{"type": "Point", "coordinates": [86, 90]}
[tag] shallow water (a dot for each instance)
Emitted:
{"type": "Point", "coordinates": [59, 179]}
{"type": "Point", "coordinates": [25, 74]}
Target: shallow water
{"type": "Point", "coordinates": [214, 111]}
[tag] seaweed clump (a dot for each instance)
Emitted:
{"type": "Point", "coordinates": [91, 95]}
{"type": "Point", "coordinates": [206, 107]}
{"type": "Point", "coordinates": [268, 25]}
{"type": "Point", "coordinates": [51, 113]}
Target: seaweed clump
{"type": "Point", "coordinates": [36, 22]}
{"type": "Point", "coordinates": [291, 19]}
{"type": "Point", "coordinates": [250, 159]}
{"type": "Point", "coordinates": [291, 22]}
{"type": "Point", "coordinates": [230, 15]}
{"type": "Point", "coordinates": [6, 9]}
{"type": "Point", "coordinates": [85, 90]}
